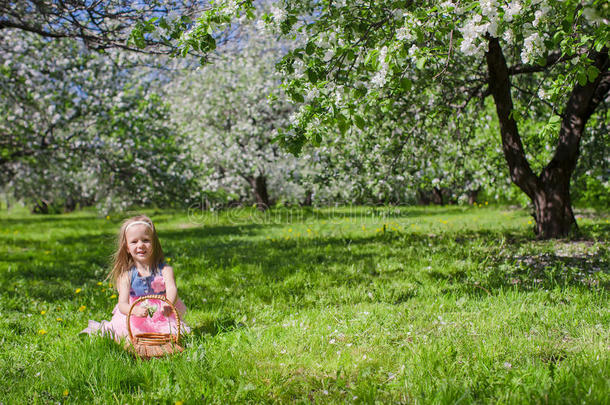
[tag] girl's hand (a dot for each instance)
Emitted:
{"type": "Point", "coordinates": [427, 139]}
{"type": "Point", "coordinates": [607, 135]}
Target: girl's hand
{"type": "Point", "coordinates": [139, 311]}
{"type": "Point", "coordinates": [167, 310]}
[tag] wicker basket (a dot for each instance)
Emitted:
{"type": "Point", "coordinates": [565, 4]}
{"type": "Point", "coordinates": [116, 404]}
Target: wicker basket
{"type": "Point", "coordinates": [149, 345]}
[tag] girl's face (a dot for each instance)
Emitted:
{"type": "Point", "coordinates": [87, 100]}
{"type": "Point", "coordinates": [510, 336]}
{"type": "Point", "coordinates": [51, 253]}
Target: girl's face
{"type": "Point", "coordinates": [139, 243]}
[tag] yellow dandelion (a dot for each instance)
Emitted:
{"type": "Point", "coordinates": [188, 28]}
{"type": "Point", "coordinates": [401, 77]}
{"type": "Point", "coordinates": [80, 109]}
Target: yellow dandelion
{"type": "Point", "coordinates": [59, 319]}
{"type": "Point", "coordinates": [109, 284]}
{"type": "Point", "coordinates": [78, 290]}
{"type": "Point", "coordinates": [179, 403]}
{"type": "Point", "coordinates": [308, 230]}
{"type": "Point", "coordinates": [103, 290]}
{"type": "Point", "coordinates": [363, 228]}
{"type": "Point", "coordinates": [82, 308]}
{"type": "Point", "coordinates": [529, 222]}
{"type": "Point", "coordinates": [99, 283]}
{"type": "Point", "coordinates": [169, 259]}
{"type": "Point", "coordinates": [107, 217]}
{"type": "Point", "coordinates": [42, 332]}
{"type": "Point", "coordinates": [43, 312]}
{"type": "Point", "coordinates": [486, 203]}
{"type": "Point", "coordinates": [113, 296]}
{"type": "Point", "coordinates": [46, 252]}
{"type": "Point", "coordinates": [290, 230]}
{"type": "Point", "coordinates": [66, 393]}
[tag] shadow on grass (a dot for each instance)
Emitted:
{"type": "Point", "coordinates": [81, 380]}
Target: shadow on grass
{"type": "Point", "coordinates": [294, 215]}
{"type": "Point", "coordinates": [292, 268]}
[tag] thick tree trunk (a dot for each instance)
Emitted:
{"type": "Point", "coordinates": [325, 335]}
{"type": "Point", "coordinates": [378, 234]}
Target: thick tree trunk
{"type": "Point", "coordinates": [553, 212]}
{"type": "Point", "coordinates": [549, 192]}
{"type": "Point", "coordinates": [259, 186]}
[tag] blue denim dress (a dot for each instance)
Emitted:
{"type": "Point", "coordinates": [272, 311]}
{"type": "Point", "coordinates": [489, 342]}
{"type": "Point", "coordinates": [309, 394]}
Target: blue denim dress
{"type": "Point", "coordinates": [142, 285]}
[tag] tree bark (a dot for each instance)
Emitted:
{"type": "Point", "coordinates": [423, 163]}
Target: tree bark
{"type": "Point", "coordinates": [472, 196]}
{"type": "Point", "coordinates": [550, 191]}
{"type": "Point", "coordinates": [437, 196]}
{"type": "Point", "coordinates": [259, 187]}
{"type": "Point", "coordinates": [308, 200]}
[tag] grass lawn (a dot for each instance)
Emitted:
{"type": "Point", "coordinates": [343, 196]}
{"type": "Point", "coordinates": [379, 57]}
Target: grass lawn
{"type": "Point", "coordinates": [362, 305]}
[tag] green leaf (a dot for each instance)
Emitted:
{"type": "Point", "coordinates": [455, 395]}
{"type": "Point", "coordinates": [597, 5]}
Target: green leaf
{"type": "Point", "coordinates": [405, 84]}
{"type": "Point", "coordinates": [310, 48]}
{"type": "Point", "coordinates": [297, 97]}
{"type": "Point", "coordinates": [360, 123]}
{"type": "Point", "coordinates": [554, 119]}
{"type": "Point", "coordinates": [342, 123]}
{"type": "Point", "coordinates": [582, 78]}
{"type": "Point", "coordinates": [421, 62]}
{"type": "Point", "coordinates": [311, 75]}
{"type": "Point", "coordinates": [592, 73]}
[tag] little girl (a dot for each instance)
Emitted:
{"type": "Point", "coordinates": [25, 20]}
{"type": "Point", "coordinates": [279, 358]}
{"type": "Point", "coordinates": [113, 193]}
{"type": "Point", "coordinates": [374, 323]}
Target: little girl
{"type": "Point", "coordinates": [139, 270]}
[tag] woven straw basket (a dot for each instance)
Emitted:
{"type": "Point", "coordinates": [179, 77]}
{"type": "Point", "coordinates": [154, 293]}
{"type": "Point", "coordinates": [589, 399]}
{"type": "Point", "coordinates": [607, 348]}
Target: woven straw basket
{"type": "Point", "coordinates": [149, 345]}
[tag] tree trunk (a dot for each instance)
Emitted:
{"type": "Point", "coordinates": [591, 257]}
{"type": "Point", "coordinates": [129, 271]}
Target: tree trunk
{"type": "Point", "coordinates": [549, 192]}
{"type": "Point", "coordinates": [553, 212]}
{"type": "Point", "coordinates": [308, 200]}
{"type": "Point", "coordinates": [437, 196]}
{"type": "Point", "coordinates": [472, 196]}
{"type": "Point", "coordinates": [69, 204]}
{"type": "Point", "coordinates": [423, 197]}
{"type": "Point", "coordinates": [259, 186]}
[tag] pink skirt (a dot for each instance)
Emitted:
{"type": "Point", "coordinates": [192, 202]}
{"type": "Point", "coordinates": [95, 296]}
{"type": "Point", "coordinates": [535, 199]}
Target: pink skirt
{"type": "Point", "coordinates": [117, 326]}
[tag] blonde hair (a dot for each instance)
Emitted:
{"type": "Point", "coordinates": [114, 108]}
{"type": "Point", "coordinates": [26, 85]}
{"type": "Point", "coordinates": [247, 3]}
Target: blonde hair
{"type": "Point", "coordinates": [122, 260]}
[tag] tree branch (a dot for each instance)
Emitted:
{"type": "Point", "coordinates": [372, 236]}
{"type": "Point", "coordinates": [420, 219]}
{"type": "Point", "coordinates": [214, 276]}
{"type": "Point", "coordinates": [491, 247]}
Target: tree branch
{"type": "Point", "coordinates": [499, 85]}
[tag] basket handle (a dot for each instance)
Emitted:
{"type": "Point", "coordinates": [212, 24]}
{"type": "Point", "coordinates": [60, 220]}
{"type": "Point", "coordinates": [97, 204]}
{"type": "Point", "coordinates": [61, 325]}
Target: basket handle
{"type": "Point", "coordinates": [156, 297]}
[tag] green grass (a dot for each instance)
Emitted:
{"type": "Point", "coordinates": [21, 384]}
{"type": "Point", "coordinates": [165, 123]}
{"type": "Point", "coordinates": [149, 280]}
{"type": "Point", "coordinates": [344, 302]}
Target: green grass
{"type": "Point", "coordinates": [363, 305]}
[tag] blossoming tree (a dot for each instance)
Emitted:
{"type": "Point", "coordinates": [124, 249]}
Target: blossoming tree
{"type": "Point", "coordinates": [230, 112]}
{"type": "Point", "coordinates": [540, 60]}
{"type": "Point", "coordinates": [79, 128]}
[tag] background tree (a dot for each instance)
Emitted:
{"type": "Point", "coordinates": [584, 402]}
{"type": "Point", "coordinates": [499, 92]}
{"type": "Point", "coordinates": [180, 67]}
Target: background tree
{"type": "Point", "coordinates": [231, 111]}
{"type": "Point", "coordinates": [80, 127]}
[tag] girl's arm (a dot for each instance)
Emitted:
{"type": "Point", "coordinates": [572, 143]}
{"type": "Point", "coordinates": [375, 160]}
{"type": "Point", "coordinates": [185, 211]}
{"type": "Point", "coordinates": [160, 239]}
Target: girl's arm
{"type": "Point", "coordinates": [171, 291]}
{"type": "Point", "coordinates": [124, 286]}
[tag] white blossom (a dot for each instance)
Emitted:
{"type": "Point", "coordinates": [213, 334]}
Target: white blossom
{"type": "Point", "coordinates": [511, 10]}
